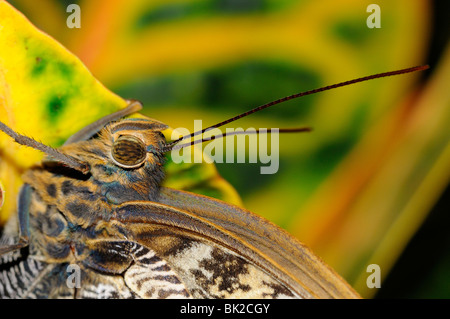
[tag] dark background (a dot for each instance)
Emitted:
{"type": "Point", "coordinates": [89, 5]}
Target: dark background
{"type": "Point", "coordinates": [420, 270]}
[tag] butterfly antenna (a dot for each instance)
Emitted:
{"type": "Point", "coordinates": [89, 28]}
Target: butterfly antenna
{"type": "Point", "coordinates": [27, 141]}
{"type": "Point", "coordinates": [281, 130]}
{"type": "Point", "coordinates": [170, 145]}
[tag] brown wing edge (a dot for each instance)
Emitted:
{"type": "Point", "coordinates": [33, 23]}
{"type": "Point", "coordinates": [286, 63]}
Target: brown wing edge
{"type": "Point", "coordinates": [289, 255]}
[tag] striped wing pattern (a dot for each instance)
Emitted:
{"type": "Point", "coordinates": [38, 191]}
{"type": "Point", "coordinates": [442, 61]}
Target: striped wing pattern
{"type": "Point", "coordinates": [20, 276]}
{"type": "Point", "coordinates": [152, 277]}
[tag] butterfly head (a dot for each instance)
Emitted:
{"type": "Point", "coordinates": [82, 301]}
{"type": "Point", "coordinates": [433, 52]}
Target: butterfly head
{"type": "Point", "coordinates": [125, 158]}
{"type": "Point", "coordinates": [127, 152]}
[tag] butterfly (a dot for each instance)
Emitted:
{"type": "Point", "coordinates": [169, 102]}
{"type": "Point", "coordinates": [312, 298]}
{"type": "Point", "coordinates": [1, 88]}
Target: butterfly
{"type": "Point", "coordinates": [95, 222]}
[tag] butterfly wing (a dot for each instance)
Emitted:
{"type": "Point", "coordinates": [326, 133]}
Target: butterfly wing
{"type": "Point", "coordinates": [209, 269]}
{"type": "Point", "coordinates": [25, 277]}
{"type": "Point", "coordinates": [220, 250]}
{"type": "Point", "coordinates": [276, 251]}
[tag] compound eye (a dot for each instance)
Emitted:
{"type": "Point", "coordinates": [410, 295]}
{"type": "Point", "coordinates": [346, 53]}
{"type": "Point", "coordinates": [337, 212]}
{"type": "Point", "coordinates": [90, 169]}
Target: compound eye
{"type": "Point", "coordinates": [129, 152]}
